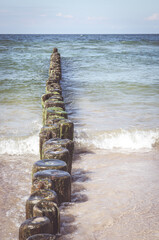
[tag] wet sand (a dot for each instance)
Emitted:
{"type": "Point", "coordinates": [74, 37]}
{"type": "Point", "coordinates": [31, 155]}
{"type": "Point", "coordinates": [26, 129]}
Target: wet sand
{"type": "Point", "coordinates": [15, 178]}
{"type": "Point", "coordinates": [115, 196]}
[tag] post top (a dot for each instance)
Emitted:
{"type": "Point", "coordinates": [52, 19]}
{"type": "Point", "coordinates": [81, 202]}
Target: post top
{"type": "Point", "coordinates": [55, 50]}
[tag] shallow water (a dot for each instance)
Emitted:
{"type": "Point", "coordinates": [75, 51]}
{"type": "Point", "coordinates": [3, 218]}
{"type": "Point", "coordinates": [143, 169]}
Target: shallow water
{"type": "Point", "coordinates": [15, 188]}
{"type": "Point", "coordinates": [111, 87]}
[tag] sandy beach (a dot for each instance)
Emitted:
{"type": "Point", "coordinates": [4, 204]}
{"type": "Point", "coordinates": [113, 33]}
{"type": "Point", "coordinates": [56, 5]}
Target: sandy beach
{"type": "Point", "coordinates": [114, 196]}
{"type": "Point", "coordinates": [15, 188]}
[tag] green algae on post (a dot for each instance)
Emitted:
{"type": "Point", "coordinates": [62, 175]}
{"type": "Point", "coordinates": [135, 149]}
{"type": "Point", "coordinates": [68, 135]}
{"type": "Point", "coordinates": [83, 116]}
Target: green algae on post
{"type": "Point", "coordinates": [34, 226]}
{"type": "Point", "coordinates": [61, 183]}
{"type": "Point", "coordinates": [54, 103]}
{"type": "Point", "coordinates": [50, 210]}
{"type": "Point", "coordinates": [54, 92]}
{"type": "Point", "coordinates": [51, 111]}
{"type": "Point", "coordinates": [65, 125]}
{"type": "Point", "coordinates": [66, 129]}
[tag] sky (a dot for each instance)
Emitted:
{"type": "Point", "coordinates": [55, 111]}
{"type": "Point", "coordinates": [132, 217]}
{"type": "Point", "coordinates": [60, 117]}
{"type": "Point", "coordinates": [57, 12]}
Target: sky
{"type": "Point", "coordinates": [79, 16]}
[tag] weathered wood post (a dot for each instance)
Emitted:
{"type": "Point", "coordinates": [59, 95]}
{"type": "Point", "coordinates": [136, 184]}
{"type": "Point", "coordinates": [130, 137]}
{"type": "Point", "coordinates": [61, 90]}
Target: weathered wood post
{"type": "Point", "coordinates": [51, 179]}
{"type": "Point", "coordinates": [36, 197]}
{"type": "Point", "coordinates": [48, 209]}
{"type": "Point", "coordinates": [58, 152]}
{"type": "Point", "coordinates": [49, 164]}
{"type": "Point", "coordinates": [33, 226]}
{"type": "Point", "coordinates": [61, 183]}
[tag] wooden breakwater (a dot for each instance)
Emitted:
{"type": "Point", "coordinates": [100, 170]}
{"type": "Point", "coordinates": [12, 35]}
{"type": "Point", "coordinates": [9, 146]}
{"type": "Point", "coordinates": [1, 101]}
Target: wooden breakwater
{"type": "Point", "coordinates": [51, 175]}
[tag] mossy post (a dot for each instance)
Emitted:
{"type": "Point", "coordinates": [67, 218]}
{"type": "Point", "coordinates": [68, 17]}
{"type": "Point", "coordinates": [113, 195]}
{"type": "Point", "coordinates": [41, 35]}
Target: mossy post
{"type": "Point", "coordinates": [50, 210]}
{"type": "Point", "coordinates": [47, 132]}
{"type": "Point", "coordinates": [51, 179]}
{"type": "Point", "coordinates": [66, 127]}
{"type": "Point", "coordinates": [54, 103]}
{"type": "Point", "coordinates": [34, 226]}
{"type": "Point", "coordinates": [65, 143]}
{"type": "Point", "coordinates": [42, 194]}
{"type": "Point", "coordinates": [45, 97]}
{"type": "Point", "coordinates": [58, 152]}
{"type": "Point", "coordinates": [61, 182]}
{"type": "Point", "coordinates": [53, 144]}
{"type": "Point", "coordinates": [51, 112]}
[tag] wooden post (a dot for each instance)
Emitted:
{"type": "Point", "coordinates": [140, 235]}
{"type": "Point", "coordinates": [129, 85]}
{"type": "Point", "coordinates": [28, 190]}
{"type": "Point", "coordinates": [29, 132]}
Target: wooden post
{"type": "Point", "coordinates": [49, 164]}
{"type": "Point", "coordinates": [61, 182]}
{"type": "Point", "coordinates": [37, 196]}
{"type": "Point", "coordinates": [33, 226]}
{"type": "Point", "coordinates": [50, 210]}
{"type": "Point", "coordinates": [58, 152]}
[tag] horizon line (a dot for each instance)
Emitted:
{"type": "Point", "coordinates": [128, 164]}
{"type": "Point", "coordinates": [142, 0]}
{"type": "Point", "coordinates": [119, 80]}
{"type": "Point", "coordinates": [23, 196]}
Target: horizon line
{"type": "Point", "coordinates": [79, 33]}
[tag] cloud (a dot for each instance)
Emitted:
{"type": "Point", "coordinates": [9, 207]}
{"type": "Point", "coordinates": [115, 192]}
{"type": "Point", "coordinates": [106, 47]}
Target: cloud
{"type": "Point", "coordinates": [96, 18]}
{"type": "Point", "coordinates": [43, 15]}
{"type": "Point", "coordinates": [59, 15]}
{"type": "Point", "coordinates": [64, 16]}
{"type": "Point", "coordinates": [68, 16]}
{"type": "Point", "coordinates": [153, 17]}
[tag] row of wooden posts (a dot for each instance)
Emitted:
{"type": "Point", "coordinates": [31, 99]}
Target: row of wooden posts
{"type": "Point", "coordinates": [51, 176]}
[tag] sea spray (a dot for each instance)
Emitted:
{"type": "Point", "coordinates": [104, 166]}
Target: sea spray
{"type": "Point", "coordinates": [118, 140]}
{"type": "Point", "coordinates": [19, 145]}
{"type": "Point", "coordinates": [17, 142]}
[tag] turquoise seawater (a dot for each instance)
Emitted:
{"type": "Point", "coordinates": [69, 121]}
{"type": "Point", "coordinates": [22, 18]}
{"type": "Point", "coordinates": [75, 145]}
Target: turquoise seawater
{"type": "Point", "coordinates": [110, 85]}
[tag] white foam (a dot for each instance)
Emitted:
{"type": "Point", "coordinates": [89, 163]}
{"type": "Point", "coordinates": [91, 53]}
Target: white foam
{"type": "Point", "coordinates": [19, 146]}
{"type": "Point", "coordinates": [121, 139]}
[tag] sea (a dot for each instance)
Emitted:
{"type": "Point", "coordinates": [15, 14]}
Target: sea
{"type": "Point", "coordinates": [110, 85]}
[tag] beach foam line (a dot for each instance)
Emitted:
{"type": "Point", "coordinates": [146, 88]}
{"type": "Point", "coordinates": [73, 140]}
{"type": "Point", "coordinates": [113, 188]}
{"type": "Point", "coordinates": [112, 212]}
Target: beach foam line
{"type": "Point", "coordinates": [20, 145]}
{"type": "Point", "coordinates": [118, 140]}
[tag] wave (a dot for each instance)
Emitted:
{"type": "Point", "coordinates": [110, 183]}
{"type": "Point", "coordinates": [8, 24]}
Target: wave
{"type": "Point", "coordinates": [140, 42]}
{"type": "Point", "coordinates": [118, 140]}
{"type": "Point", "coordinates": [20, 145]}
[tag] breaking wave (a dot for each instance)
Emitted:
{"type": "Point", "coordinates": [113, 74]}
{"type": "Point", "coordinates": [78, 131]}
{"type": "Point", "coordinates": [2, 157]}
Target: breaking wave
{"type": "Point", "coordinates": [118, 140]}
{"type": "Point", "coordinates": [20, 145]}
